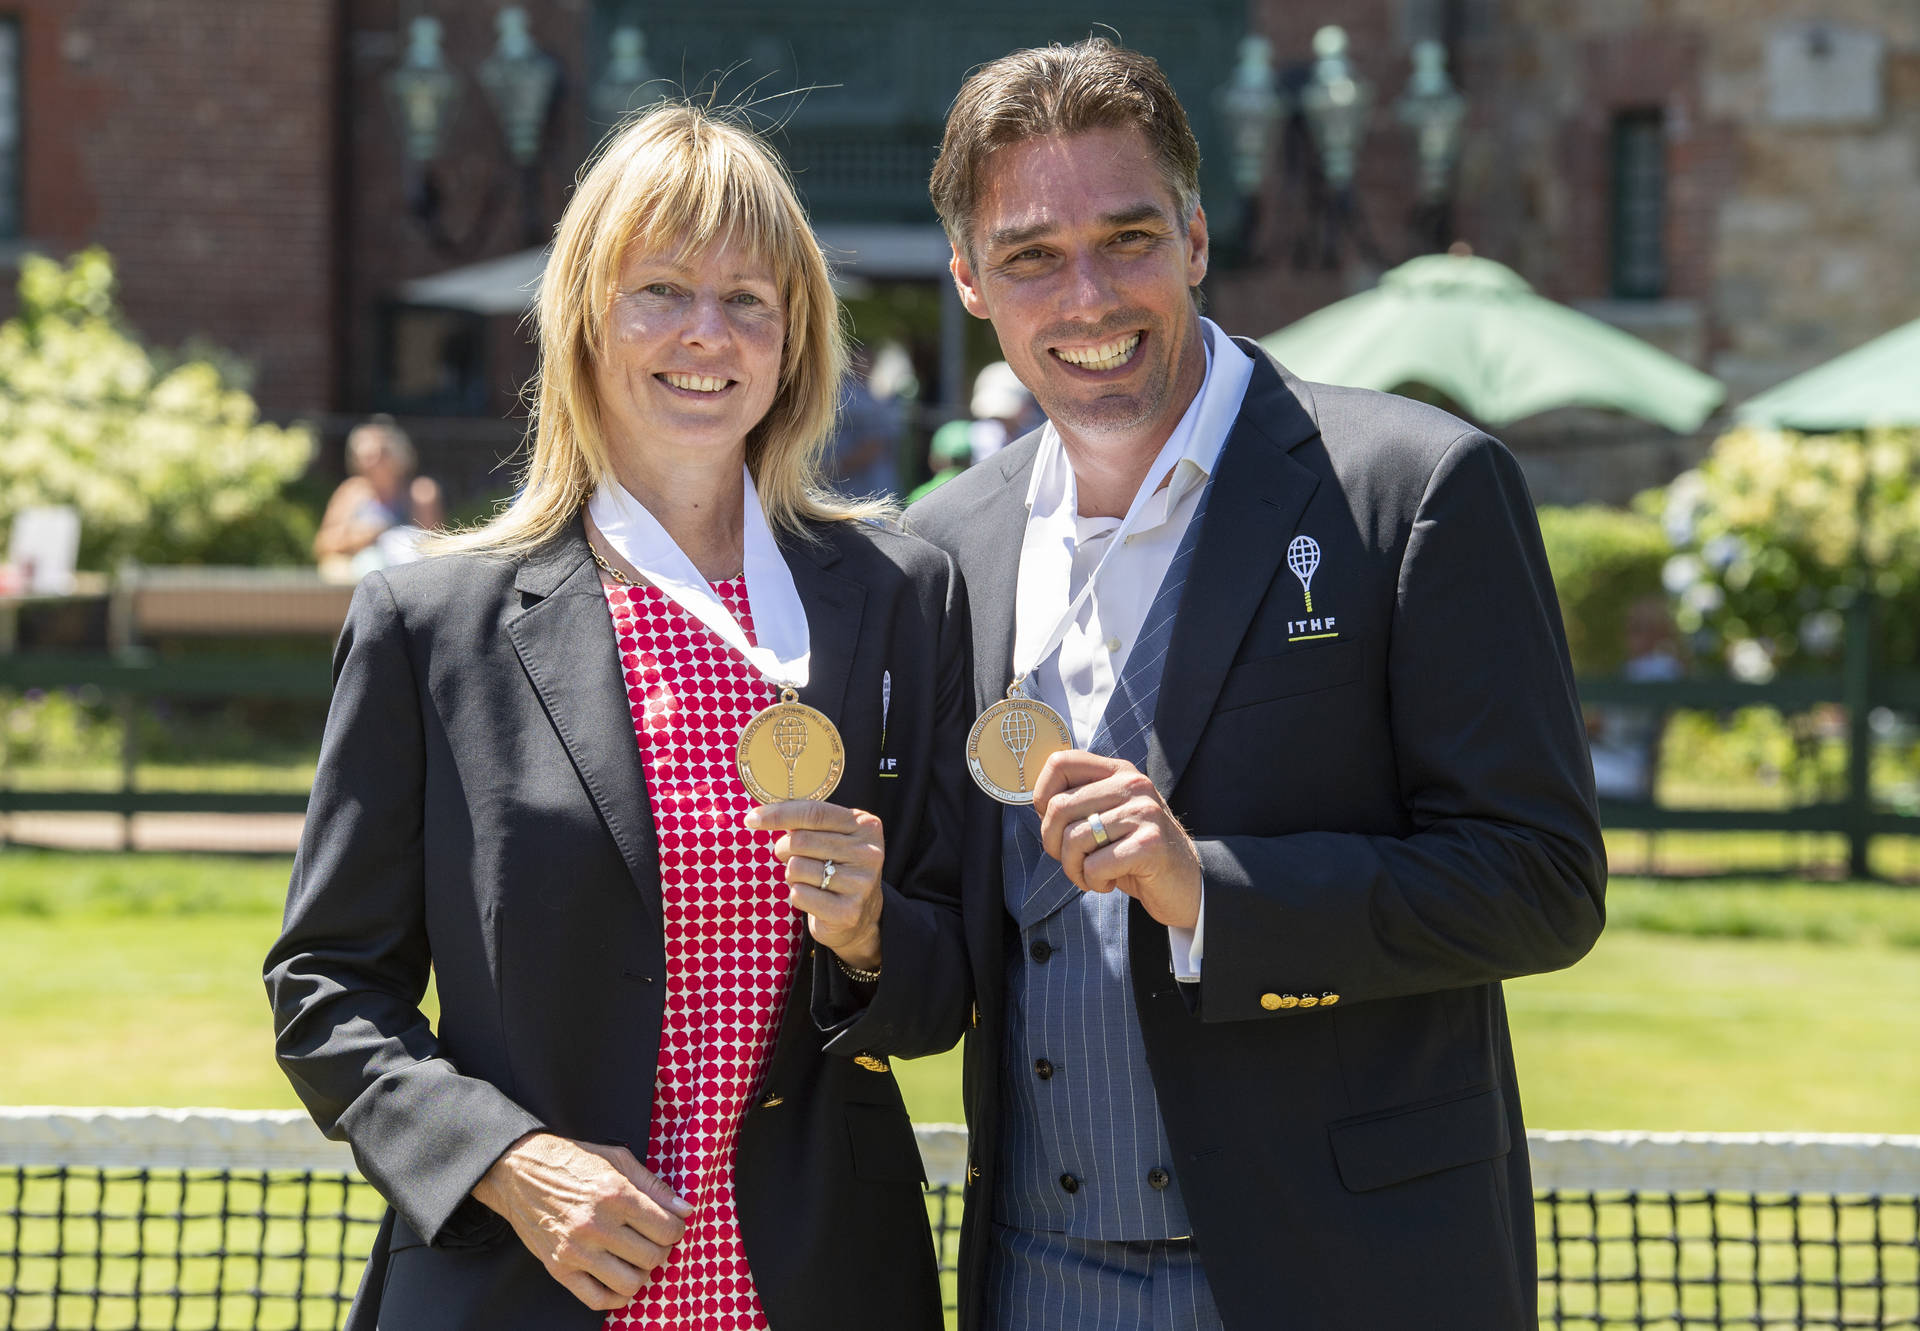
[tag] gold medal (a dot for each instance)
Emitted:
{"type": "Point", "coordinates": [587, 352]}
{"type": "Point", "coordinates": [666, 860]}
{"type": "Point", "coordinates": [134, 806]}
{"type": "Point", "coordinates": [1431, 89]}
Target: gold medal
{"type": "Point", "coordinates": [790, 751]}
{"type": "Point", "coordinates": [1011, 742]}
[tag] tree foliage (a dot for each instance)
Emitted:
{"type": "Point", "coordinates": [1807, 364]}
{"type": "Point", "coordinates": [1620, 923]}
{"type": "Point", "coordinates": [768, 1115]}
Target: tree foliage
{"type": "Point", "coordinates": [165, 458]}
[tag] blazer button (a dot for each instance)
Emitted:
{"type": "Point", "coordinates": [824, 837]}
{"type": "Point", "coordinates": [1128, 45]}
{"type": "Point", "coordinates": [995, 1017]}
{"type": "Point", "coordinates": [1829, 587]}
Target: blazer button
{"type": "Point", "coordinates": [1289, 1000]}
{"type": "Point", "coordinates": [872, 1064]}
{"type": "Point", "coordinates": [1309, 1000]}
{"type": "Point", "coordinates": [1271, 1002]}
{"type": "Point", "coordinates": [1069, 1184]}
{"type": "Point", "coordinates": [976, 1014]}
{"type": "Point", "coordinates": [973, 1172]}
{"type": "Point", "coordinates": [770, 1101]}
{"type": "Point", "coordinates": [1328, 1000]}
{"type": "Point", "coordinates": [1158, 1179]}
{"type": "Point", "coordinates": [1040, 950]}
{"type": "Point", "coordinates": [1042, 1069]}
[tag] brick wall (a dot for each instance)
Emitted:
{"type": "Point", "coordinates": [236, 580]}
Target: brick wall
{"type": "Point", "coordinates": [194, 139]}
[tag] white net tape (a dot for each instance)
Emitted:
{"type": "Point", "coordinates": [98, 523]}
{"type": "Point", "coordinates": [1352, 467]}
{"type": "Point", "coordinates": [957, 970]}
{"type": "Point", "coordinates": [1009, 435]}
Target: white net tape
{"type": "Point", "coordinates": [1817, 1164]}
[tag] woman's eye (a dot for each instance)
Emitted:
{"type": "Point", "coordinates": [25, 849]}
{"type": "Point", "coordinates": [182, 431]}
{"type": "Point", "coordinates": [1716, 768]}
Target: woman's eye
{"type": "Point", "coordinates": [657, 289]}
{"type": "Point", "coordinates": [747, 298]}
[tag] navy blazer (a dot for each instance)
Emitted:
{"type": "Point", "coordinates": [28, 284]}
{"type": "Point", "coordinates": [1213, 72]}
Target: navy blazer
{"type": "Point", "coordinates": [1391, 795]}
{"type": "Point", "coordinates": [480, 812]}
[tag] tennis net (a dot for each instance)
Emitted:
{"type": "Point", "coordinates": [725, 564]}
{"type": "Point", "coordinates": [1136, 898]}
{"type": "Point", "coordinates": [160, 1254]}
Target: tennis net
{"type": "Point", "coordinates": [201, 1219]}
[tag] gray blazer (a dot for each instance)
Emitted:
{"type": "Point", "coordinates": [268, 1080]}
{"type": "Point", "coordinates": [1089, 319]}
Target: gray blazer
{"type": "Point", "coordinates": [1394, 810]}
{"type": "Point", "coordinates": [480, 812]}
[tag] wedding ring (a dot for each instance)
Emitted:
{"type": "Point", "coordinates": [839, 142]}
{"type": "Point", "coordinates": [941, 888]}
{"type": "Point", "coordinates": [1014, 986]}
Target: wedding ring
{"type": "Point", "coordinates": [826, 875]}
{"type": "Point", "coordinates": [1100, 837]}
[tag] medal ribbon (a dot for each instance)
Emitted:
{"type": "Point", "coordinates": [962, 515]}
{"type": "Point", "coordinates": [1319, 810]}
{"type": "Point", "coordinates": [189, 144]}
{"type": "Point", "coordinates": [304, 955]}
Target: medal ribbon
{"type": "Point", "coordinates": [784, 653]}
{"type": "Point", "coordinates": [1162, 466]}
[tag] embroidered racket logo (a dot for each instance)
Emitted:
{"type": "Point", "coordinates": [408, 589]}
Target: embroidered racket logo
{"type": "Point", "coordinates": [1303, 557]}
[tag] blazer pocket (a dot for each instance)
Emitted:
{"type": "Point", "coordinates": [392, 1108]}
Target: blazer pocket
{"type": "Point", "coordinates": [884, 1149]}
{"type": "Point", "coordinates": [1304, 670]}
{"type": "Point", "coordinates": [1379, 1150]}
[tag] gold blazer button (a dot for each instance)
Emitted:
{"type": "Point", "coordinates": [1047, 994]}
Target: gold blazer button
{"type": "Point", "coordinates": [1272, 1002]}
{"type": "Point", "coordinates": [872, 1064]}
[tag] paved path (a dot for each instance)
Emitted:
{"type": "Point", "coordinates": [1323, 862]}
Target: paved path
{"type": "Point", "coordinates": [250, 832]}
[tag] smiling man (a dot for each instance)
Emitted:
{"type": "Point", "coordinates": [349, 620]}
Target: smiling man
{"type": "Point", "coordinates": [1291, 775]}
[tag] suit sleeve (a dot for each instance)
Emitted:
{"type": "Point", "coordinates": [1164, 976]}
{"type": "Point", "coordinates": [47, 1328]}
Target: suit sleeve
{"type": "Point", "coordinates": [347, 975]}
{"type": "Point", "coordinates": [921, 1002]}
{"type": "Point", "coordinates": [1503, 873]}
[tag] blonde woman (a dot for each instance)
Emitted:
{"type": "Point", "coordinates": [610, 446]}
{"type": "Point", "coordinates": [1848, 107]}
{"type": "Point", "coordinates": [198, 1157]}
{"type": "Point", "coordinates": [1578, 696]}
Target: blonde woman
{"type": "Point", "coordinates": [657, 1093]}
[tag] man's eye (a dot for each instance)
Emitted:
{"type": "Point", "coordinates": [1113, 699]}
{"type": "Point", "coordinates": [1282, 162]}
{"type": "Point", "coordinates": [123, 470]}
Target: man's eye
{"type": "Point", "coordinates": [1131, 237]}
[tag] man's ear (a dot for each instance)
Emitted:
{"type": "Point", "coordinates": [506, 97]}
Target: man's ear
{"type": "Point", "coordinates": [967, 285]}
{"type": "Point", "coordinates": [1198, 248]}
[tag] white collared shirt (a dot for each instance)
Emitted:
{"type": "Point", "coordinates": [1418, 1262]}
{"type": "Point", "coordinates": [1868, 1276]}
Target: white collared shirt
{"type": "Point", "coordinates": [1061, 549]}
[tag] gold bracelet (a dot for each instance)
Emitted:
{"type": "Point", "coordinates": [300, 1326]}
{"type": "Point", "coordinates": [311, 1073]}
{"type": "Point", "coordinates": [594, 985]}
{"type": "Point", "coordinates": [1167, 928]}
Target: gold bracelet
{"type": "Point", "coordinates": [855, 973]}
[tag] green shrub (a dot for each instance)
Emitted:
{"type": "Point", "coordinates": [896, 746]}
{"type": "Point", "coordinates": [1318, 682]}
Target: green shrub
{"type": "Point", "coordinates": [1604, 560]}
{"type": "Point", "coordinates": [164, 457]}
{"type": "Point", "coordinates": [1775, 534]}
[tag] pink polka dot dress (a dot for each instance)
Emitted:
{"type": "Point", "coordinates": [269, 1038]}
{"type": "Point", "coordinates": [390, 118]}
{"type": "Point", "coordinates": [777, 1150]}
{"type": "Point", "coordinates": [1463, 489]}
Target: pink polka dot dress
{"type": "Point", "coordinates": [731, 938]}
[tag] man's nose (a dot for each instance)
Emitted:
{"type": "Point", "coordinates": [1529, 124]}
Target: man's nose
{"type": "Point", "coordinates": [1090, 289]}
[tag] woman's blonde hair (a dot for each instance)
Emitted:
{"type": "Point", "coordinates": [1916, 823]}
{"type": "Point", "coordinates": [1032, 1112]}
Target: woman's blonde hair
{"type": "Point", "coordinates": [677, 178]}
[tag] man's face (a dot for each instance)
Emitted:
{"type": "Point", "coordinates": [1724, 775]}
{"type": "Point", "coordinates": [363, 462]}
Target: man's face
{"type": "Point", "coordinates": [1080, 260]}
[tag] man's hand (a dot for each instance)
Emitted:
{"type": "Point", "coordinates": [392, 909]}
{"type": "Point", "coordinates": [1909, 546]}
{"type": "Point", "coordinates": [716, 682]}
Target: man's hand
{"type": "Point", "coordinates": [1148, 855]}
{"type": "Point", "coordinates": [843, 914]}
{"type": "Point", "coordinates": [595, 1217]}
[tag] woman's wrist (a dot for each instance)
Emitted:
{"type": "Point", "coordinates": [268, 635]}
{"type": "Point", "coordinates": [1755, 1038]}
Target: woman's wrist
{"type": "Point", "coordinates": [863, 955]}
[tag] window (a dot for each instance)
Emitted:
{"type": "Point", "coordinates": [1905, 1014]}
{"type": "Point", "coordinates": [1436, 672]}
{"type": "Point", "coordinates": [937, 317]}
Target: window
{"type": "Point", "coordinates": [1639, 205]}
{"type": "Point", "coordinates": [433, 361]}
{"type": "Point", "coordinates": [9, 128]}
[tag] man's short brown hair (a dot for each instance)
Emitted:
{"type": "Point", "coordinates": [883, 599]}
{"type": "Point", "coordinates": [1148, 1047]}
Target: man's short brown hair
{"type": "Point", "coordinates": [1060, 90]}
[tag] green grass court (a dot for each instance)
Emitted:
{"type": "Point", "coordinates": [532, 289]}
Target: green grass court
{"type": "Point", "coordinates": [1723, 1006]}
{"type": "Point", "coordinates": [1741, 1006]}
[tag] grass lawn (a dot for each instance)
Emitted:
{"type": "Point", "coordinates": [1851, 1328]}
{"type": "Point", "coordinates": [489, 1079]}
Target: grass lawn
{"type": "Point", "coordinates": [134, 979]}
{"type": "Point", "coordinates": [1710, 1006]}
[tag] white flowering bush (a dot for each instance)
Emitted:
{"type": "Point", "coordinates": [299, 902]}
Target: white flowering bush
{"type": "Point", "coordinates": [1776, 533]}
{"type": "Point", "coordinates": [168, 463]}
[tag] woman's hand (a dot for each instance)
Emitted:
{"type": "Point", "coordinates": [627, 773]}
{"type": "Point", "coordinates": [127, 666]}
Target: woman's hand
{"type": "Point", "coordinates": [843, 908]}
{"type": "Point", "coordinates": [598, 1220]}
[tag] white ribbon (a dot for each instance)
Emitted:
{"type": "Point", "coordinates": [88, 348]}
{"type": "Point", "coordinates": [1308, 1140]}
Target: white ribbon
{"type": "Point", "coordinates": [783, 654]}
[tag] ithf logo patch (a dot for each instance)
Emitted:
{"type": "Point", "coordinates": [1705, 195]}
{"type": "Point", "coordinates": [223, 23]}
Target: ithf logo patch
{"type": "Point", "coordinates": [889, 766]}
{"type": "Point", "coordinates": [1303, 557]}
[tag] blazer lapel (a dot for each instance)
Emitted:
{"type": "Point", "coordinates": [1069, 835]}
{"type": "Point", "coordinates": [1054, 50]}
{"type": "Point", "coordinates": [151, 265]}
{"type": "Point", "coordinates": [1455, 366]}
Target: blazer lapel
{"type": "Point", "coordinates": [1258, 494]}
{"type": "Point", "coordinates": [993, 573]}
{"type": "Point", "coordinates": [565, 641]}
{"type": "Point", "coordinates": [834, 606]}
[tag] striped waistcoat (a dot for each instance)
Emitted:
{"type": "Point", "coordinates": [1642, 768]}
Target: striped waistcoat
{"type": "Point", "coordinates": [1083, 1149]}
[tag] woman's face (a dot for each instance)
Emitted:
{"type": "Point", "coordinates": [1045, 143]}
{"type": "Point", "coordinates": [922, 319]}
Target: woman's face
{"type": "Point", "coordinates": [694, 348]}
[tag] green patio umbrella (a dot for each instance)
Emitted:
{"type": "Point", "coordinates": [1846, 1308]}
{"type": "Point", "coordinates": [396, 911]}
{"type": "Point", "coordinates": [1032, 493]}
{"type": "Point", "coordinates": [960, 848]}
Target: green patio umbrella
{"type": "Point", "coordinates": [1475, 330]}
{"type": "Point", "coordinates": [1875, 384]}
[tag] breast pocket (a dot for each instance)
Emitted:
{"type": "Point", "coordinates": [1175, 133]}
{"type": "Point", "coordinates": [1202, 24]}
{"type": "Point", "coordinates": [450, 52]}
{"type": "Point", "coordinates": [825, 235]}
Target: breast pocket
{"type": "Point", "coordinates": [1305, 670]}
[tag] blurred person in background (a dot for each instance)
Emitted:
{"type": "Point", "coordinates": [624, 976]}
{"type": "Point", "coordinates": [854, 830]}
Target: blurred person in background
{"type": "Point", "coordinates": [377, 515]}
{"type": "Point", "coordinates": [949, 453]}
{"type": "Point", "coordinates": [657, 1092]}
{"type": "Point", "coordinates": [1003, 410]}
{"type": "Point", "coordinates": [863, 457]}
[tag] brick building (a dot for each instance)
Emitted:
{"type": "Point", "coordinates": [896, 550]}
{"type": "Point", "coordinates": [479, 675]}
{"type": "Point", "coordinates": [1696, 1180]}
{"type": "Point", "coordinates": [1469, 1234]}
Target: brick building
{"type": "Point", "coordinates": [1728, 178]}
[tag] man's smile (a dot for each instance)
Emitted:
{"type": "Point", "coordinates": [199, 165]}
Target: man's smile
{"type": "Point", "coordinates": [1105, 356]}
